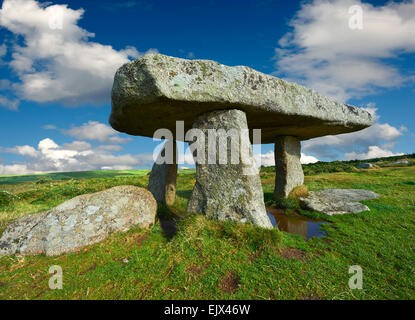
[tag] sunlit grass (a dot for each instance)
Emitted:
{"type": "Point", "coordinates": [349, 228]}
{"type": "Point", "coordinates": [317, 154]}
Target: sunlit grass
{"type": "Point", "coordinates": [193, 264]}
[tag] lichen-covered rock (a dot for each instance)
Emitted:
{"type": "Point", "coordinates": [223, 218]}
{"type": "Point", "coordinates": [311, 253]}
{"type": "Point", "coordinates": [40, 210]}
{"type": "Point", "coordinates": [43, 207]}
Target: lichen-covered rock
{"type": "Point", "coordinates": [163, 89]}
{"type": "Point", "coordinates": [79, 222]}
{"type": "Point", "coordinates": [163, 177]}
{"type": "Point", "coordinates": [228, 191]}
{"type": "Point", "coordinates": [338, 201]}
{"type": "Point", "coordinates": [288, 170]}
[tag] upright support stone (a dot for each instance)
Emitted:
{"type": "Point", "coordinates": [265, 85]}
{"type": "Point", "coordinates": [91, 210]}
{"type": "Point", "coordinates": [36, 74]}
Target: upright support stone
{"type": "Point", "coordinates": [288, 170]}
{"type": "Point", "coordinates": [163, 176]}
{"type": "Point", "coordinates": [227, 191]}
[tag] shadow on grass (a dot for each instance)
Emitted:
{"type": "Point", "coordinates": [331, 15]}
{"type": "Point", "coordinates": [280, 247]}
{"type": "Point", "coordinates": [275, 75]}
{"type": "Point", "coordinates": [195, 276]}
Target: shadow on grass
{"type": "Point", "coordinates": [168, 218]}
{"type": "Point", "coordinates": [184, 193]}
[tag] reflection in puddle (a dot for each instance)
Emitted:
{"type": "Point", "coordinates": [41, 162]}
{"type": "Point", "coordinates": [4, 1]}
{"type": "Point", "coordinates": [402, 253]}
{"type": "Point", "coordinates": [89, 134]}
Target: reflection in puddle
{"type": "Point", "coordinates": [295, 224]}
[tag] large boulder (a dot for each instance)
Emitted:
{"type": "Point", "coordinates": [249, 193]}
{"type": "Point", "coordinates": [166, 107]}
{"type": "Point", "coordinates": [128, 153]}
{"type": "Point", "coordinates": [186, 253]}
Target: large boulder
{"type": "Point", "coordinates": [163, 89]}
{"type": "Point", "coordinates": [228, 191]}
{"type": "Point", "coordinates": [338, 201]}
{"type": "Point", "coordinates": [79, 222]}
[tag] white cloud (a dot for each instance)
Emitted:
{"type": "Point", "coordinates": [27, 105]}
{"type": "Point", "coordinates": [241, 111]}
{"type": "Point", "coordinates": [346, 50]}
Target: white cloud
{"type": "Point", "coordinates": [13, 169]}
{"type": "Point", "coordinates": [380, 135]}
{"type": "Point", "coordinates": [11, 104]}
{"type": "Point", "coordinates": [265, 159]}
{"type": "Point", "coordinates": [110, 147]}
{"type": "Point", "coordinates": [77, 146]}
{"type": "Point", "coordinates": [268, 159]}
{"type": "Point", "coordinates": [59, 64]}
{"type": "Point", "coordinates": [373, 152]}
{"type": "Point", "coordinates": [75, 156]}
{"type": "Point", "coordinates": [94, 130]}
{"type": "Point", "coordinates": [322, 52]}
{"type": "Point", "coordinates": [21, 150]}
{"type": "Point", "coordinates": [49, 127]}
{"type": "Point", "coordinates": [308, 159]}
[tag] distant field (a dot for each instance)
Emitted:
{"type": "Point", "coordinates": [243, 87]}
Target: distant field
{"type": "Point", "coordinates": [13, 179]}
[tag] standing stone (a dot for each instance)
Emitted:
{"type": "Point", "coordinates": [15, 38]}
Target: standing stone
{"type": "Point", "coordinates": [230, 191]}
{"type": "Point", "coordinates": [288, 170]}
{"type": "Point", "coordinates": [163, 177]}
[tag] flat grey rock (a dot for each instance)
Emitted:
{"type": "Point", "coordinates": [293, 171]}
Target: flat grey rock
{"type": "Point", "coordinates": [400, 162]}
{"type": "Point", "coordinates": [79, 222]}
{"type": "Point", "coordinates": [338, 201]}
{"type": "Point", "coordinates": [163, 89]}
{"type": "Point", "coordinates": [365, 165]}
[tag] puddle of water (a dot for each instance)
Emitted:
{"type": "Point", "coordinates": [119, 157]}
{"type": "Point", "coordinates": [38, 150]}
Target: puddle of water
{"type": "Point", "coordinates": [296, 224]}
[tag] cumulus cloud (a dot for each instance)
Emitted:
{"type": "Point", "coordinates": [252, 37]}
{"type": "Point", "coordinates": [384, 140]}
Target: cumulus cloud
{"type": "Point", "coordinates": [56, 61]}
{"type": "Point", "coordinates": [373, 152]}
{"type": "Point", "coordinates": [11, 104]}
{"type": "Point", "coordinates": [380, 136]}
{"type": "Point", "coordinates": [268, 159]}
{"type": "Point", "coordinates": [94, 130]}
{"type": "Point", "coordinates": [324, 53]}
{"type": "Point", "coordinates": [75, 156]}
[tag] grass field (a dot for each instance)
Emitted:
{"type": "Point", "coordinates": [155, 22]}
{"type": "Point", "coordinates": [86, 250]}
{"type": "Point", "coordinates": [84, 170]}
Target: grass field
{"type": "Point", "coordinates": [212, 260]}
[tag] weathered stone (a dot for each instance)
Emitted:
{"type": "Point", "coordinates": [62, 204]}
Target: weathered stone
{"type": "Point", "coordinates": [79, 222]}
{"type": "Point", "coordinates": [228, 191]}
{"type": "Point", "coordinates": [337, 201]}
{"type": "Point", "coordinates": [365, 165]}
{"type": "Point", "coordinates": [163, 176]}
{"type": "Point", "coordinates": [399, 162]}
{"type": "Point", "coordinates": [288, 170]}
{"type": "Point", "coordinates": [163, 89]}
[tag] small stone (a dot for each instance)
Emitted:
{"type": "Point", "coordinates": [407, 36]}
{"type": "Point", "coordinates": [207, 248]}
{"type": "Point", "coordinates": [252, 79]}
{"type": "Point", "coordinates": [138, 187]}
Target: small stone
{"type": "Point", "coordinates": [288, 169]}
{"type": "Point", "coordinates": [79, 222]}
{"type": "Point", "coordinates": [365, 165]}
{"type": "Point", "coordinates": [400, 162]}
{"type": "Point", "coordinates": [337, 201]}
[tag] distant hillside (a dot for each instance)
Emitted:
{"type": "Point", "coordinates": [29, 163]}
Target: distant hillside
{"type": "Point", "coordinates": [348, 166]}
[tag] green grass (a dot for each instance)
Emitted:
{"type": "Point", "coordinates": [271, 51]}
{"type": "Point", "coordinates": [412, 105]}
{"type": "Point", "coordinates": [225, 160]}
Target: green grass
{"type": "Point", "coordinates": [212, 260]}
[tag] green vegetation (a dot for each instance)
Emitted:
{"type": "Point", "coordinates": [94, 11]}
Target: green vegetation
{"type": "Point", "coordinates": [212, 260]}
{"type": "Point", "coordinates": [350, 166]}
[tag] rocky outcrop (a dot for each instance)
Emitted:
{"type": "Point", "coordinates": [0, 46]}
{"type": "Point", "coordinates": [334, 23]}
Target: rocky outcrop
{"type": "Point", "coordinates": [227, 191]}
{"type": "Point", "coordinates": [79, 222]}
{"type": "Point", "coordinates": [163, 176]}
{"type": "Point", "coordinates": [288, 170]}
{"type": "Point", "coordinates": [338, 201]}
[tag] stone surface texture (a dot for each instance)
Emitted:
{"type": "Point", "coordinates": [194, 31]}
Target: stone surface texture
{"type": "Point", "coordinates": [288, 170]}
{"type": "Point", "coordinates": [338, 201]}
{"type": "Point", "coordinates": [163, 177]}
{"type": "Point", "coordinates": [228, 191]}
{"type": "Point", "coordinates": [366, 165]}
{"type": "Point", "coordinates": [79, 222]}
{"type": "Point", "coordinates": [163, 89]}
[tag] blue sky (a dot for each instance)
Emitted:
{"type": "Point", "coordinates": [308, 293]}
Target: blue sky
{"type": "Point", "coordinates": [55, 82]}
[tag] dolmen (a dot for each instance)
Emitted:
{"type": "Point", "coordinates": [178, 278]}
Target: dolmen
{"type": "Point", "coordinates": [204, 97]}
